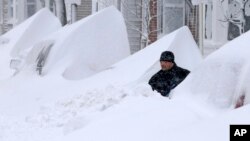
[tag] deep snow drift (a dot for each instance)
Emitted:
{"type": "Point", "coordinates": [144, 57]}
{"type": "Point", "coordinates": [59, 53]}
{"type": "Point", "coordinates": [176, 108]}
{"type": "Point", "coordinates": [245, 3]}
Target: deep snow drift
{"type": "Point", "coordinates": [52, 104]}
{"type": "Point", "coordinates": [201, 106]}
{"type": "Point", "coordinates": [117, 103]}
{"type": "Point", "coordinates": [84, 48]}
{"type": "Point", "coordinates": [223, 76]}
{"type": "Point", "coordinates": [19, 40]}
{"type": "Point", "coordinates": [143, 64]}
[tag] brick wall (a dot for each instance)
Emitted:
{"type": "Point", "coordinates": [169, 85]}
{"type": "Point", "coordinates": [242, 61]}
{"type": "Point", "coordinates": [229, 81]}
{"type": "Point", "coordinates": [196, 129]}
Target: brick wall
{"type": "Point", "coordinates": [192, 19]}
{"type": "Point", "coordinates": [153, 22]}
{"type": "Point", "coordinates": [194, 26]}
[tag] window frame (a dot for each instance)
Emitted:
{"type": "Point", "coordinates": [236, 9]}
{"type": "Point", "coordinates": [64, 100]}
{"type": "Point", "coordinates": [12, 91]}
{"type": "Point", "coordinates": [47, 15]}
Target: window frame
{"type": "Point", "coordinates": [28, 4]}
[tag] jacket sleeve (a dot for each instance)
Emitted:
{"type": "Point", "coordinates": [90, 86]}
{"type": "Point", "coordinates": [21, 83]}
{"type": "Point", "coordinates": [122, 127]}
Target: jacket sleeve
{"type": "Point", "coordinates": [185, 73]}
{"type": "Point", "coordinates": [153, 81]}
{"type": "Point", "coordinates": [161, 87]}
{"type": "Point", "coordinates": [179, 78]}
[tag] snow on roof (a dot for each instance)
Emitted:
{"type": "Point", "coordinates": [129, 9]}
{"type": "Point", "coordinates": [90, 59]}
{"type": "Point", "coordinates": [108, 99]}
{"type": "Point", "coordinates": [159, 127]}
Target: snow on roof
{"type": "Point", "coordinates": [223, 76]}
{"type": "Point", "coordinates": [88, 46]}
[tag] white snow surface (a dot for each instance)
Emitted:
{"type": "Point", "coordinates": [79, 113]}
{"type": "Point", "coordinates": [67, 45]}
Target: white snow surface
{"type": "Point", "coordinates": [223, 76]}
{"type": "Point", "coordinates": [117, 103]}
{"type": "Point", "coordinates": [86, 47]}
{"type": "Point", "coordinates": [32, 30]}
{"type": "Point", "coordinates": [21, 39]}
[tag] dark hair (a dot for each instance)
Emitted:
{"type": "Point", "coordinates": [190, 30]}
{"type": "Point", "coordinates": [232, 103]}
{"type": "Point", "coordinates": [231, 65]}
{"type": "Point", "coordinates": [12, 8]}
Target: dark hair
{"type": "Point", "coordinates": [167, 56]}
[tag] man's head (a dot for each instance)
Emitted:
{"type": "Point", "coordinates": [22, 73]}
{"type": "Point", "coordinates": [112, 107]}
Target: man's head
{"type": "Point", "coordinates": [167, 60]}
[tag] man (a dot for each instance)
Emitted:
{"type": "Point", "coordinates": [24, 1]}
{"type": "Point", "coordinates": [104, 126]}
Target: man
{"type": "Point", "coordinates": [169, 76]}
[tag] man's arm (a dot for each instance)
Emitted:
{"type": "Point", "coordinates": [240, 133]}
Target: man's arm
{"type": "Point", "coordinates": [161, 87]}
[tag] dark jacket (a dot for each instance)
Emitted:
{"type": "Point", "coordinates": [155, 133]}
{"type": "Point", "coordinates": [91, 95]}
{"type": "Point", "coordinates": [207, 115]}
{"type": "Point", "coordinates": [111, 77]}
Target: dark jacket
{"type": "Point", "coordinates": [164, 81]}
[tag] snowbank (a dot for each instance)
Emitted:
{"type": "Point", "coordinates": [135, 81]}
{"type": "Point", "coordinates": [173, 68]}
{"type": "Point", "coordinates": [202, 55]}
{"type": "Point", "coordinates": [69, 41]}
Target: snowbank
{"type": "Point", "coordinates": [212, 129]}
{"type": "Point", "coordinates": [223, 76]}
{"type": "Point", "coordinates": [113, 105]}
{"type": "Point", "coordinates": [142, 65]}
{"type": "Point", "coordinates": [134, 118]}
{"type": "Point", "coordinates": [86, 47]}
{"type": "Point", "coordinates": [137, 119]}
{"type": "Point", "coordinates": [17, 42]}
{"type": "Point", "coordinates": [32, 30]}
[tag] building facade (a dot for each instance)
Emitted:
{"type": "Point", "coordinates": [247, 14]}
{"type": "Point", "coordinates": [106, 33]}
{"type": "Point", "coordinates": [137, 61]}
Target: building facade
{"type": "Point", "coordinates": [223, 20]}
{"type": "Point", "coordinates": [13, 12]}
{"type": "Point", "coordinates": [78, 9]}
{"type": "Point", "coordinates": [149, 20]}
{"type": "Point", "coordinates": [132, 13]}
{"type": "Point", "coordinates": [212, 23]}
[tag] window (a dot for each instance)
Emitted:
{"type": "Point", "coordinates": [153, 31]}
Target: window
{"type": "Point", "coordinates": [208, 20]}
{"type": "Point", "coordinates": [11, 9]}
{"type": "Point", "coordinates": [52, 6]}
{"type": "Point", "coordinates": [173, 15]}
{"type": "Point", "coordinates": [12, 12]}
{"type": "Point", "coordinates": [239, 18]}
{"type": "Point", "coordinates": [31, 7]}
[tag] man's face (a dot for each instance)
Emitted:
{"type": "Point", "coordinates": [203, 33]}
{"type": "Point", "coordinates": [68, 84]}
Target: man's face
{"type": "Point", "coordinates": [166, 65]}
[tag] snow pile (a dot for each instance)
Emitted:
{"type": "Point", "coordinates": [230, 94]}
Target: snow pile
{"type": "Point", "coordinates": [184, 117]}
{"type": "Point", "coordinates": [117, 117]}
{"type": "Point", "coordinates": [18, 41]}
{"type": "Point", "coordinates": [142, 65]}
{"type": "Point", "coordinates": [211, 129]}
{"type": "Point", "coordinates": [148, 119]}
{"type": "Point", "coordinates": [223, 77]}
{"type": "Point", "coordinates": [32, 30]}
{"type": "Point", "coordinates": [86, 47]}
{"type": "Point", "coordinates": [138, 119]}
{"type": "Point", "coordinates": [52, 106]}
